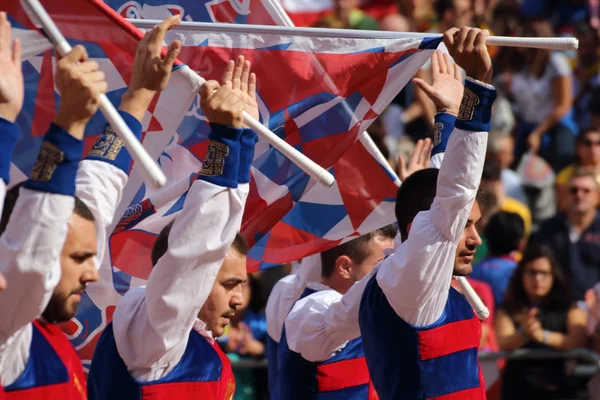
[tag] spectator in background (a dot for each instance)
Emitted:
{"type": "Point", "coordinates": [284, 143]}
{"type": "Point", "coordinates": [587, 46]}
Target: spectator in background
{"type": "Point", "coordinates": [501, 149]}
{"type": "Point", "coordinates": [575, 236]}
{"type": "Point", "coordinates": [246, 337]}
{"type": "Point", "coordinates": [504, 234]}
{"type": "Point", "coordinates": [347, 15]}
{"type": "Point", "coordinates": [541, 89]}
{"type": "Point", "coordinates": [538, 313]}
{"type": "Point", "coordinates": [491, 180]}
{"type": "Point", "coordinates": [587, 156]}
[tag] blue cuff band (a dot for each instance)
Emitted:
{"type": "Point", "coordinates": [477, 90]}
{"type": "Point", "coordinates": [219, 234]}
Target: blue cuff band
{"type": "Point", "coordinates": [9, 133]}
{"type": "Point", "coordinates": [56, 166]}
{"type": "Point", "coordinates": [111, 149]}
{"type": "Point", "coordinates": [249, 140]}
{"type": "Point", "coordinates": [222, 160]}
{"type": "Point", "coordinates": [442, 128]}
{"type": "Point", "coordinates": [475, 112]}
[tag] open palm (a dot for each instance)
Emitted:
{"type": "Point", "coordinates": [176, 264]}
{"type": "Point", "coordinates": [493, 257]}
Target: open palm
{"type": "Point", "coordinates": [446, 90]}
{"type": "Point", "coordinates": [238, 77]}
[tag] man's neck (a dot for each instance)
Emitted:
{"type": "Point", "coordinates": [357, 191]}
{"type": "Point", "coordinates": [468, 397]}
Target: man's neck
{"type": "Point", "coordinates": [335, 285]}
{"type": "Point", "coordinates": [580, 222]}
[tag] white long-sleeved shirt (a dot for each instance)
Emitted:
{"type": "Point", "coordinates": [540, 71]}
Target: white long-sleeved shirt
{"type": "Point", "coordinates": [322, 323]}
{"type": "Point", "coordinates": [417, 277]}
{"type": "Point", "coordinates": [30, 254]}
{"type": "Point", "coordinates": [287, 291]}
{"type": "Point", "coordinates": [152, 324]}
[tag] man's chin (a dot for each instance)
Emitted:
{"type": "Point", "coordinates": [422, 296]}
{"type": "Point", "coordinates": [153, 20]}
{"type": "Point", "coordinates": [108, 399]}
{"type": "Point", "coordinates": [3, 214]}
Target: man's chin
{"type": "Point", "coordinates": [462, 269]}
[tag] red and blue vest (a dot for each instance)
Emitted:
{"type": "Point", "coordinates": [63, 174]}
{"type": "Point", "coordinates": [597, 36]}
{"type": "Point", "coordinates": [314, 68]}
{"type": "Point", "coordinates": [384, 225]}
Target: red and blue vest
{"type": "Point", "coordinates": [435, 362]}
{"type": "Point", "coordinates": [344, 376]}
{"type": "Point", "coordinates": [204, 372]}
{"type": "Point", "coordinates": [53, 370]}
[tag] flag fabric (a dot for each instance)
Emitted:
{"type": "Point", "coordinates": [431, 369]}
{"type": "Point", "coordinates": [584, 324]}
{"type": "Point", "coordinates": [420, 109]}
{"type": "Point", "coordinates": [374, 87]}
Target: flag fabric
{"type": "Point", "coordinates": [319, 95]}
{"type": "Point", "coordinates": [261, 12]}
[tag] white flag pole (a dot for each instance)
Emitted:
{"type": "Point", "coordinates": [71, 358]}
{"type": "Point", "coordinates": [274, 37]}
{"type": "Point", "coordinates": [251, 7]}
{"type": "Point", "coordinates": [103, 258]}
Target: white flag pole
{"type": "Point", "coordinates": [554, 43]}
{"type": "Point", "coordinates": [153, 175]}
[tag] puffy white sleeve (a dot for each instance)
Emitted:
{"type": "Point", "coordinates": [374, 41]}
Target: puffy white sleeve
{"type": "Point", "coordinates": [417, 277]}
{"type": "Point", "coordinates": [321, 323]}
{"type": "Point", "coordinates": [151, 331]}
{"type": "Point", "coordinates": [102, 176]}
{"type": "Point", "coordinates": [31, 245]}
{"type": "Point", "coordinates": [287, 291]}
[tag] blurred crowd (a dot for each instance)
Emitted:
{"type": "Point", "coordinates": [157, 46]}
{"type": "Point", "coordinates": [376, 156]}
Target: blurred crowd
{"type": "Point", "coordinates": [538, 269]}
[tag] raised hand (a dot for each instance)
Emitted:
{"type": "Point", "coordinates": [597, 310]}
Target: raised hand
{"type": "Point", "coordinates": [446, 90]}
{"type": "Point", "coordinates": [467, 47]}
{"type": "Point", "coordinates": [420, 158]}
{"type": "Point", "coordinates": [221, 104]}
{"type": "Point", "coordinates": [237, 76]}
{"type": "Point", "coordinates": [151, 71]}
{"type": "Point", "coordinates": [11, 77]}
{"type": "Point", "coordinates": [80, 83]}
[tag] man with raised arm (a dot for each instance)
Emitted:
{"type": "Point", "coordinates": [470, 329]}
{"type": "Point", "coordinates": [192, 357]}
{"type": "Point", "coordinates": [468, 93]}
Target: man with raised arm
{"type": "Point", "coordinates": [161, 343]}
{"type": "Point", "coordinates": [420, 335]}
{"type": "Point", "coordinates": [304, 374]}
{"type": "Point", "coordinates": [54, 224]}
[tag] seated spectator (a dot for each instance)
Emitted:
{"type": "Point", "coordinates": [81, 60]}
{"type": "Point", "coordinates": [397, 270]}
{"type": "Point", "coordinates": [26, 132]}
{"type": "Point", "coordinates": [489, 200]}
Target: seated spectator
{"type": "Point", "coordinates": [541, 89]}
{"type": "Point", "coordinates": [501, 149]}
{"type": "Point", "coordinates": [504, 234]}
{"type": "Point", "coordinates": [575, 235]}
{"type": "Point", "coordinates": [538, 313]}
{"type": "Point", "coordinates": [588, 156]}
{"type": "Point", "coordinates": [491, 180]}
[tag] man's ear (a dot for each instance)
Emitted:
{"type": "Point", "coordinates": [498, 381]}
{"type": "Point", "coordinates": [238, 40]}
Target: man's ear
{"type": "Point", "coordinates": [343, 264]}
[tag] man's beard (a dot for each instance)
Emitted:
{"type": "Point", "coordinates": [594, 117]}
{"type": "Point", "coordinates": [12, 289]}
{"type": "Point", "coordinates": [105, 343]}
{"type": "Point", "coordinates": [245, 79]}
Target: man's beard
{"type": "Point", "coordinates": [56, 310]}
{"type": "Point", "coordinates": [462, 269]}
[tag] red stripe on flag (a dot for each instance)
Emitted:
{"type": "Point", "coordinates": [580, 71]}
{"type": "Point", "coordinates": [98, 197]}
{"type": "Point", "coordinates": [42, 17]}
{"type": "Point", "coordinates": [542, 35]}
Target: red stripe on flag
{"type": "Point", "coordinates": [342, 374]}
{"type": "Point", "coordinates": [449, 338]}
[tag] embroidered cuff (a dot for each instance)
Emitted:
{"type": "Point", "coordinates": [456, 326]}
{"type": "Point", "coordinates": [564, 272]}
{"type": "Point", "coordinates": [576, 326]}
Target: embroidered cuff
{"type": "Point", "coordinates": [442, 128]}
{"type": "Point", "coordinates": [9, 133]}
{"type": "Point", "coordinates": [111, 149]}
{"type": "Point", "coordinates": [249, 140]}
{"type": "Point", "coordinates": [56, 166]}
{"type": "Point", "coordinates": [475, 112]}
{"type": "Point", "coordinates": [222, 161]}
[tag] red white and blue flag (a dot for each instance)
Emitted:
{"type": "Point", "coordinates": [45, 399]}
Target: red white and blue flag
{"type": "Point", "coordinates": [316, 93]}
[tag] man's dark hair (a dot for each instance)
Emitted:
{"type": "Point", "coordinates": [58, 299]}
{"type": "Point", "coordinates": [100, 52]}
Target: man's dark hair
{"type": "Point", "coordinates": [416, 194]}
{"type": "Point", "coordinates": [357, 249]}
{"type": "Point", "coordinates": [161, 245]}
{"type": "Point", "coordinates": [504, 233]}
{"type": "Point", "coordinates": [11, 199]}
{"type": "Point", "coordinates": [491, 171]}
{"type": "Point", "coordinates": [557, 300]}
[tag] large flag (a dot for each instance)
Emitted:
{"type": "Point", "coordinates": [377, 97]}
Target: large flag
{"type": "Point", "coordinates": [316, 93]}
